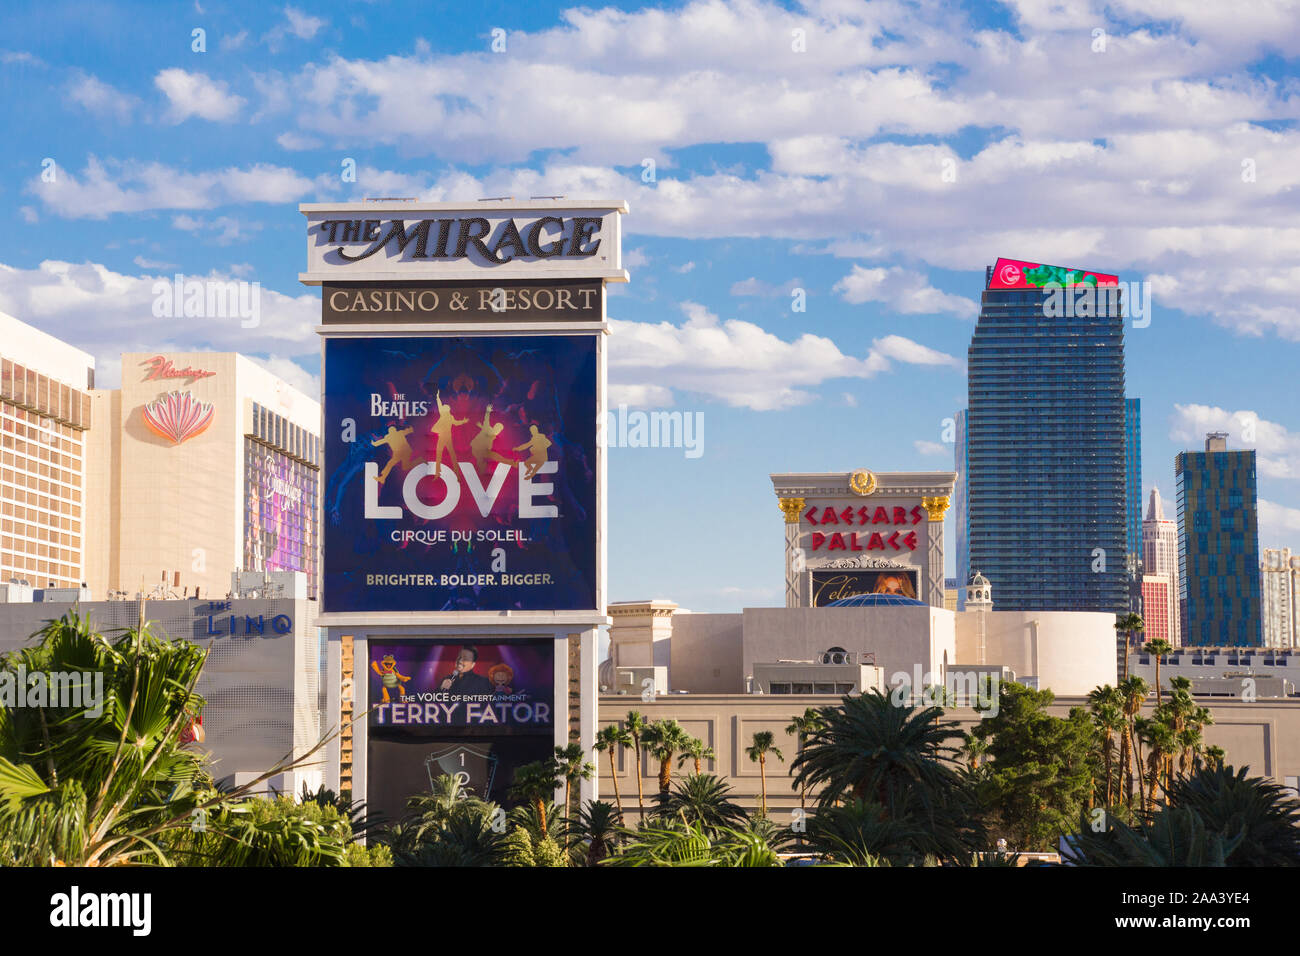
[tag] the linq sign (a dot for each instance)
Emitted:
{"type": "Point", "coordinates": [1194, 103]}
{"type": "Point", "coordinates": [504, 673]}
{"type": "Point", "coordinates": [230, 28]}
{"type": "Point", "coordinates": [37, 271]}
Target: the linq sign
{"type": "Point", "coordinates": [246, 625]}
{"type": "Point", "coordinates": [470, 237]}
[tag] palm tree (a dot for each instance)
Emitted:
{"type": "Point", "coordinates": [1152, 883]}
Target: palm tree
{"type": "Point", "coordinates": [591, 835]}
{"type": "Point", "coordinates": [1107, 706]}
{"type": "Point", "coordinates": [1133, 692]}
{"type": "Point", "coordinates": [873, 750]}
{"type": "Point", "coordinates": [801, 726]}
{"type": "Point", "coordinates": [1161, 738]}
{"type": "Point", "coordinates": [572, 765]}
{"type": "Point", "coordinates": [1158, 649]}
{"type": "Point", "coordinates": [764, 744]}
{"type": "Point", "coordinates": [1128, 624]}
{"type": "Point", "coordinates": [701, 799]}
{"type": "Point", "coordinates": [636, 726]}
{"type": "Point", "coordinates": [610, 739]}
{"type": "Point", "coordinates": [662, 740]}
{"type": "Point", "coordinates": [975, 749]}
{"type": "Point", "coordinates": [535, 783]}
{"type": "Point", "coordinates": [696, 751]}
{"type": "Point", "coordinates": [117, 787]}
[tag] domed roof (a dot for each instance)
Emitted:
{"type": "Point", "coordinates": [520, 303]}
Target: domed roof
{"type": "Point", "coordinates": [877, 600]}
{"type": "Point", "coordinates": [979, 581]}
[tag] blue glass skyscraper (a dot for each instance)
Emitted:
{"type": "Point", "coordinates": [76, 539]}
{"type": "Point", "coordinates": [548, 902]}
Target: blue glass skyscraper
{"type": "Point", "coordinates": [1046, 474]}
{"type": "Point", "coordinates": [961, 510]}
{"type": "Point", "coordinates": [1133, 498]}
{"type": "Point", "coordinates": [1218, 545]}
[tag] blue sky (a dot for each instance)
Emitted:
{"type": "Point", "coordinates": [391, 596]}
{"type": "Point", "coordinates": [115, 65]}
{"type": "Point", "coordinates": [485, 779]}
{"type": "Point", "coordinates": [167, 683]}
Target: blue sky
{"type": "Point", "coordinates": [876, 160]}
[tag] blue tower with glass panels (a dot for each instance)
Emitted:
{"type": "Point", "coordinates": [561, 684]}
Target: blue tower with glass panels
{"type": "Point", "coordinates": [1218, 546]}
{"type": "Point", "coordinates": [1133, 498]}
{"type": "Point", "coordinates": [1046, 488]}
{"type": "Point", "coordinates": [961, 511]}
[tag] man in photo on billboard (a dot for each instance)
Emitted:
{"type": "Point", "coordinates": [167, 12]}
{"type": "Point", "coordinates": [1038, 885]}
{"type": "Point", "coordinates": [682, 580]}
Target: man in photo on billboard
{"type": "Point", "coordinates": [399, 450]}
{"type": "Point", "coordinates": [537, 447]}
{"type": "Point", "coordinates": [481, 446]}
{"type": "Point", "coordinates": [442, 428]}
{"type": "Point", "coordinates": [463, 680]}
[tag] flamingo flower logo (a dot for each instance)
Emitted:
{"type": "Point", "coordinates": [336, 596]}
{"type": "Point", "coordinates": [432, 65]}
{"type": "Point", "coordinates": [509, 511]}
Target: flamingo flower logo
{"type": "Point", "coordinates": [178, 416]}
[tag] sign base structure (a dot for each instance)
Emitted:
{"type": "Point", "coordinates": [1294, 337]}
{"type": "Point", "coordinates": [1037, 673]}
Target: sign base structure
{"type": "Point", "coordinates": [463, 521]}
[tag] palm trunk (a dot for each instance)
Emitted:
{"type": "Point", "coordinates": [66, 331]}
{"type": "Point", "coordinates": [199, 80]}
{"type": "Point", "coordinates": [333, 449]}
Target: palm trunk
{"type": "Point", "coordinates": [1126, 759]}
{"type": "Point", "coordinates": [567, 808]}
{"type": "Point", "coordinates": [640, 795]}
{"type": "Point", "coordinates": [762, 777]}
{"type": "Point", "coordinates": [665, 773]}
{"type": "Point", "coordinates": [1137, 763]}
{"type": "Point", "coordinates": [1157, 680]}
{"type": "Point", "coordinates": [541, 813]}
{"type": "Point", "coordinates": [697, 766]}
{"type": "Point", "coordinates": [613, 778]}
{"type": "Point", "coordinates": [1106, 749]}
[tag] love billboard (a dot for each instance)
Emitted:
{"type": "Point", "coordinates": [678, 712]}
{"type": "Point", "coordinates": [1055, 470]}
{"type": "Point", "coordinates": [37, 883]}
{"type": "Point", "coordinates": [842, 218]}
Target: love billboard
{"type": "Point", "coordinates": [460, 473]}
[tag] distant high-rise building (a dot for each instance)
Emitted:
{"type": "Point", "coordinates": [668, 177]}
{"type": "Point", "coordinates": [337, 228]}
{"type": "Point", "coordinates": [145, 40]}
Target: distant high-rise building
{"type": "Point", "coordinates": [45, 420]}
{"type": "Point", "coordinates": [1046, 479]}
{"type": "Point", "coordinates": [1160, 558]}
{"type": "Point", "coordinates": [1133, 499]}
{"type": "Point", "coordinates": [1218, 545]}
{"type": "Point", "coordinates": [1160, 609]}
{"type": "Point", "coordinates": [1279, 572]}
{"type": "Point", "coordinates": [961, 511]}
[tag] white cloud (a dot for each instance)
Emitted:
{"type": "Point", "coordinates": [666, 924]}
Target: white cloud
{"type": "Point", "coordinates": [738, 363]}
{"type": "Point", "coordinates": [635, 259]}
{"type": "Point", "coordinates": [297, 24]}
{"type": "Point", "coordinates": [291, 372]}
{"type": "Point", "coordinates": [758, 287]}
{"type": "Point", "coordinates": [152, 264]}
{"type": "Point", "coordinates": [640, 396]}
{"type": "Point", "coordinates": [1277, 449]}
{"type": "Point", "coordinates": [107, 187]}
{"type": "Point", "coordinates": [1278, 523]}
{"type": "Point", "coordinates": [905, 350]}
{"type": "Point", "coordinates": [903, 291]}
{"type": "Point", "coordinates": [195, 94]}
{"type": "Point", "coordinates": [102, 99]}
{"type": "Point", "coordinates": [296, 141]}
{"type": "Point", "coordinates": [223, 230]}
{"type": "Point", "coordinates": [685, 268]}
{"type": "Point", "coordinates": [932, 447]}
{"type": "Point", "coordinates": [61, 297]}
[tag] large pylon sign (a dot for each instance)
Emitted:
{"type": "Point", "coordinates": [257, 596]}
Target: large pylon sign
{"type": "Point", "coordinates": [463, 504]}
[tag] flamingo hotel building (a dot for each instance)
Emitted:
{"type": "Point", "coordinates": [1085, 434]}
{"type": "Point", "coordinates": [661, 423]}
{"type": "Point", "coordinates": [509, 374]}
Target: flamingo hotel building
{"type": "Point", "coordinates": [199, 465]}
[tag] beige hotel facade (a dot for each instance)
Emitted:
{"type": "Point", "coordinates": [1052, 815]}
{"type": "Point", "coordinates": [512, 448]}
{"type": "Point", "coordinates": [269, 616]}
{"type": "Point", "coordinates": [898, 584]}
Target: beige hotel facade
{"type": "Point", "coordinates": [200, 464]}
{"type": "Point", "coordinates": [45, 414]}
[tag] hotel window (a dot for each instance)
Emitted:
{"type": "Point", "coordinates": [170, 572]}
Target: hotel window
{"type": "Point", "coordinates": [779, 688]}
